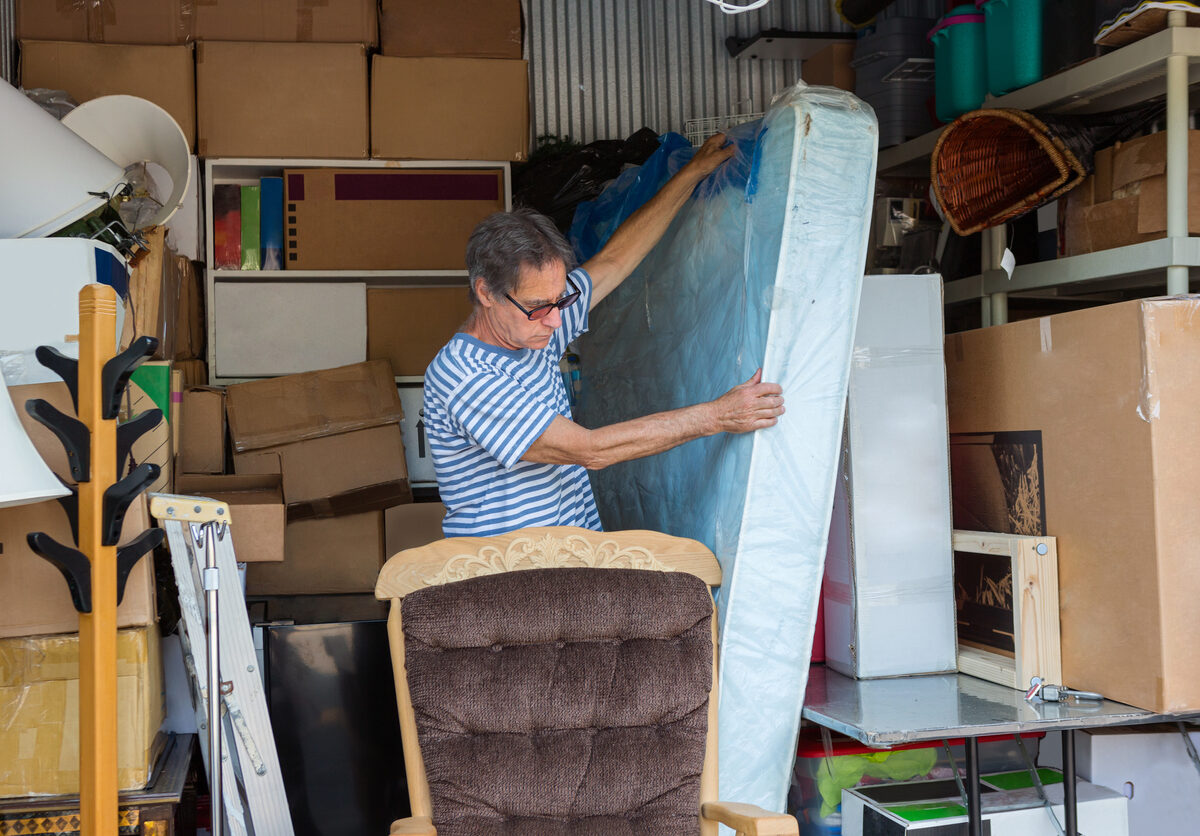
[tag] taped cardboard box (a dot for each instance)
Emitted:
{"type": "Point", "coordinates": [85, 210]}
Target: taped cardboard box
{"type": "Point", "coordinates": [407, 326]}
{"type": "Point", "coordinates": [451, 29]}
{"type": "Point", "coordinates": [164, 75]}
{"type": "Point", "coordinates": [111, 21]}
{"type": "Point", "coordinates": [386, 219]}
{"type": "Point", "coordinates": [202, 430]}
{"type": "Point", "coordinates": [339, 555]}
{"type": "Point", "coordinates": [39, 701]}
{"type": "Point", "coordinates": [34, 599]}
{"type": "Point", "coordinates": [281, 100]}
{"type": "Point", "coordinates": [1082, 426]}
{"type": "Point", "coordinates": [433, 109]}
{"type": "Point", "coordinates": [329, 21]}
{"type": "Point", "coordinates": [256, 510]}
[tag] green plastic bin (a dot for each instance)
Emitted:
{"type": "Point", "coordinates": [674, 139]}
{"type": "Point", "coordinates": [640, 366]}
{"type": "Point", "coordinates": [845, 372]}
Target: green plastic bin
{"type": "Point", "coordinates": [960, 62]}
{"type": "Point", "coordinates": [1013, 30]}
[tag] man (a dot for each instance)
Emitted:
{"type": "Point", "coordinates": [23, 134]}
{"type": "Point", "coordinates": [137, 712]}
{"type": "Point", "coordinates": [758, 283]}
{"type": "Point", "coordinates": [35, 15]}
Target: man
{"type": "Point", "coordinates": [506, 451]}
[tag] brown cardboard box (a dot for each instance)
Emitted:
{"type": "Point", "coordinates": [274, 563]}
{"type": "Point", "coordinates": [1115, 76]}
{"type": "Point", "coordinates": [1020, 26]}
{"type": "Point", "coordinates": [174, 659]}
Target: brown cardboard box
{"type": "Point", "coordinates": [451, 29]}
{"type": "Point", "coordinates": [34, 599]}
{"type": "Point", "coordinates": [316, 609]}
{"type": "Point", "coordinates": [165, 301]}
{"type": "Point", "coordinates": [150, 388]}
{"type": "Point", "coordinates": [111, 21]}
{"type": "Point", "coordinates": [163, 74]}
{"type": "Point", "coordinates": [830, 67]}
{"type": "Point", "coordinates": [329, 21]}
{"type": "Point", "coordinates": [281, 100]}
{"type": "Point", "coordinates": [195, 372]}
{"type": "Point", "coordinates": [1125, 200]}
{"type": "Point", "coordinates": [323, 557]}
{"type": "Point", "coordinates": [412, 526]}
{"type": "Point", "coordinates": [256, 511]}
{"type": "Point", "coordinates": [39, 701]}
{"type": "Point", "coordinates": [386, 219]}
{"type": "Point", "coordinates": [1097, 412]}
{"type": "Point", "coordinates": [407, 326]}
{"type": "Point", "coordinates": [45, 441]}
{"type": "Point", "coordinates": [202, 431]}
{"type": "Point", "coordinates": [449, 109]}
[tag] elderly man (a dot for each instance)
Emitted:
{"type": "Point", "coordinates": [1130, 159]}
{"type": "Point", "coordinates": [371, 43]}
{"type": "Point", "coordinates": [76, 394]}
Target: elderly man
{"type": "Point", "coordinates": [506, 451]}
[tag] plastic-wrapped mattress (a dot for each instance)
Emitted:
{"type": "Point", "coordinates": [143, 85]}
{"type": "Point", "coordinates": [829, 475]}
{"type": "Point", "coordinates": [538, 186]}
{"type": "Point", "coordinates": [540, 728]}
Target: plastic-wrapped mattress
{"type": "Point", "coordinates": [762, 267]}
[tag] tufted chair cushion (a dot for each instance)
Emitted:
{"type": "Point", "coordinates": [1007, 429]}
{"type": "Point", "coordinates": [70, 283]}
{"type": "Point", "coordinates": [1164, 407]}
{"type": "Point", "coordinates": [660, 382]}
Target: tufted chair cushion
{"type": "Point", "coordinates": [562, 701]}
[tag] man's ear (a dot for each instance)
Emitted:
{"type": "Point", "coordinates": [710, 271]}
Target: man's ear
{"type": "Point", "coordinates": [483, 294]}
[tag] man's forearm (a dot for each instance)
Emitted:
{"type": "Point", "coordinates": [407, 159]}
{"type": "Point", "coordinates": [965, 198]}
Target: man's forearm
{"type": "Point", "coordinates": [565, 442]}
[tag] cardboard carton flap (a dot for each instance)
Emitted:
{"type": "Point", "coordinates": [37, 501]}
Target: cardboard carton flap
{"type": "Point", "coordinates": [281, 410]}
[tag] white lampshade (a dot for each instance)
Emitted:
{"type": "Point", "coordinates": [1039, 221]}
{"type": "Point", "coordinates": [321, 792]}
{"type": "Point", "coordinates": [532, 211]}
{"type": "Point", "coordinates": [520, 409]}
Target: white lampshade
{"type": "Point", "coordinates": [24, 477]}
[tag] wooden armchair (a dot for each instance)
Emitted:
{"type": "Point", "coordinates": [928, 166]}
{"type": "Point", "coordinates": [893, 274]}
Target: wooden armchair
{"type": "Point", "coordinates": [560, 681]}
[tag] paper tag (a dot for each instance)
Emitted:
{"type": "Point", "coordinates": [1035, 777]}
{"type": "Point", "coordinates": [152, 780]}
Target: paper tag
{"type": "Point", "coordinates": [1008, 261]}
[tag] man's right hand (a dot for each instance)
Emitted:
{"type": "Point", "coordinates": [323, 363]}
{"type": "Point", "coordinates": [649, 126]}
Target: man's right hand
{"type": "Point", "coordinates": [748, 406]}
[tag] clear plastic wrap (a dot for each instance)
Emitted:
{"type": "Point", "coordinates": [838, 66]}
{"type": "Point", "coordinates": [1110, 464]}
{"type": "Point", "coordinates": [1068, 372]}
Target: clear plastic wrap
{"type": "Point", "coordinates": [762, 267]}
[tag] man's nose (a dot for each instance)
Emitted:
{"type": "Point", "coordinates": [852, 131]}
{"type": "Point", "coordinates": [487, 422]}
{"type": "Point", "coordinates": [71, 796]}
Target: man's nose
{"type": "Point", "coordinates": [554, 318]}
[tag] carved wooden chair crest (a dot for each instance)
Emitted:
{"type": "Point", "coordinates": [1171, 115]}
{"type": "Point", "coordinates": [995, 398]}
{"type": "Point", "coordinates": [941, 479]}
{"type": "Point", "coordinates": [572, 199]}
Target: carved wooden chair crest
{"type": "Point", "coordinates": [560, 681]}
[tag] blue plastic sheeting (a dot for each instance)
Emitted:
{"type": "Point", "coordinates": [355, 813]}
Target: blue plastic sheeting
{"type": "Point", "coordinates": [762, 267]}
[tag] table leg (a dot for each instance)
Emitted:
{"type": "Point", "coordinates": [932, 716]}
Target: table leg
{"type": "Point", "coordinates": [974, 806]}
{"type": "Point", "coordinates": [1069, 808]}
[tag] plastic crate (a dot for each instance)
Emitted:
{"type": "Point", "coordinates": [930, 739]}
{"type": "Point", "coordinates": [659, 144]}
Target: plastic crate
{"type": "Point", "coordinates": [959, 50]}
{"type": "Point", "coordinates": [894, 74]}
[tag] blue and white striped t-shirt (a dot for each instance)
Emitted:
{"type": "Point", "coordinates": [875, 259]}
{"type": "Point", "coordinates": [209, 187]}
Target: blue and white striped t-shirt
{"type": "Point", "coordinates": [484, 406]}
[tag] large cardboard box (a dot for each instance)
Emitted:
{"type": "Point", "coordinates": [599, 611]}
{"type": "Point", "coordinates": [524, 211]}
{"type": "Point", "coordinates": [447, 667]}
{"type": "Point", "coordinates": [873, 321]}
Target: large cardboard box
{"type": "Point", "coordinates": [281, 100]}
{"type": "Point", "coordinates": [39, 701]}
{"type": "Point", "coordinates": [165, 301]}
{"type": "Point", "coordinates": [162, 74]}
{"type": "Point", "coordinates": [1082, 426]}
{"type": "Point", "coordinates": [386, 219]}
{"type": "Point", "coordinates": [412, 526]}
{"type": "Point", "coordinates": [435, 109]}
{"type": "Point", "coordinates": [451, 29]}
{"type": "Point", "coordinates": [202, 430]}
{"type": "Point", "coordinates": [407, 326]}
{"type": "Point", "coordinates": [34, 599]}
{"type": "Point", "coordinates": [830, 67]}
{"type": "Point", "coordinates": [256, 510]}
{"type": "Point", "coordinates": [339, 555]}
{"type": "Point", "coordinates": [421, 472]}
{"type": "Point", "coordinates": [111, 21]}
{"type": "Point", "coordinates": [329, 21]}
{"type": "Point", "coordinates": [1125, 200]}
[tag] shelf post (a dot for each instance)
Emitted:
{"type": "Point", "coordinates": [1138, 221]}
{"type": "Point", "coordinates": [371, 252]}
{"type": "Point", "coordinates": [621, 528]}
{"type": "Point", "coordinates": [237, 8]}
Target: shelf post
{"type": "Point", "coordinates": [1177, 155]}
{"type": "Point", "coordinates": [996, 304]}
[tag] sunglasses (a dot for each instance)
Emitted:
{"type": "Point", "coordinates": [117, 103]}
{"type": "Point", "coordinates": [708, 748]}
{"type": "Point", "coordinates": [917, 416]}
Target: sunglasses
{"type": "Point", "coordinates": [542, 311]}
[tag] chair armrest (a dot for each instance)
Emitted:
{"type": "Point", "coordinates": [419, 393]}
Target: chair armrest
{"type": "Point", "coordinates": [749, 820]}
{"type": "Point", "coordinates": [415, 826]}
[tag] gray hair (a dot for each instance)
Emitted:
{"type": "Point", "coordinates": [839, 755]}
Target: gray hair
{"type": "Point", "coordinates": [504, 242]}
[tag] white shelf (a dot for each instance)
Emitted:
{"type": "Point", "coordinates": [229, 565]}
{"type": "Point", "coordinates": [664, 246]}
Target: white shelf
{"type": "Point", "coordinates": [415, 277]}
{"type": "Point", "coordinates": [1130, 75]}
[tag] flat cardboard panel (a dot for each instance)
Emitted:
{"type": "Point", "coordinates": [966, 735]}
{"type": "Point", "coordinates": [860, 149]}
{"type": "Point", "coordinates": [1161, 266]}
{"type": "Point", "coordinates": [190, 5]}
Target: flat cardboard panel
{"type": "Point", "coordinates": [263, 413]}
{"type": "Point", "coordinates": [111, 21]}
{"type": "Point", "coordinates": [34, 599]}
{"type": "Point", "coordinates": [330, 21]}
{"type": "Point", "coordinates": [412, 526]}
{"type": "Point", "coordinates": [322, 557]}
{"type": "Point", "coordinates": [451, 29]}
{"type": "Point", "coordinates": [163, 74]}
{"type": "Point", "coordinates": [385, 219]}
{"type": "Point", "coordinates": [281, 100]}
{"type": "Point", "coordinates": [1113, 391]}
{"type": "Point", "coordinates": [256, 510]}
{"type": "Point", "coordinates": [39, 700]}
{"type": "Point", "coordinates": [432, 109]}
{"type": "Point", "coordinates": [260, 327]}
{"type": "Point", "coordinates": [202, 431]}
{"type": "Point", "coordinates": [408, 326]}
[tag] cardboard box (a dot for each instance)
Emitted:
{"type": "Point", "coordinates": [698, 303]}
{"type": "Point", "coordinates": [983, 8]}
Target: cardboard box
{"type": "Point", "coordinates": [412, 526]}
{"type": "Point", "coordinates": [39, 701]}
{"type": "Point", "coordinates": [451, 29]}
{"type": "Point", "coordinates": [163, 74]}
{"type": "Point", "coordinates": [1082, 426]}
{"type": "Point", "coordinates": [165, 301]}
{"type": "Point", "coordinates": [407, 326]}
{"type": "Point", "coordinates": [416, 445]}
{"type": "Point", "coordinates": [281, 100]}
{"type": "Point", "coordinates": [323, 557]}
{"type": "Point", "coordinates": [202, 431]}
{"type": "Point", "coordinates": [432, 109]}
{"type": "Point", "coordinates": [111, 21]}
{"type": "Point", "coordinates": [150, 388]}
{"type": "Point", "coordinates": [329, 21]}
{"type": "Point", "coordinates": [386, 219]}
{"type": "Point", "coordinates": [830, 67]}
{"type": "Point", "coordinates": [1125, 201]}
{"type": "Point", "coordinates": [44, 440]}
{"type": "Point", "coordinates": [34, 599]}
{"type": "Point", "coordinates": [316, 609]}
{"type": "Point", "coordinates": [889, 559]}
{"type": "Point", "coordinates": [256, 510]}
{"type": "Point", "coordinates": [248, 343]}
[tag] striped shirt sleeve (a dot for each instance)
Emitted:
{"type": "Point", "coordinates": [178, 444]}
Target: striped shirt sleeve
{"type": "Point", "coordinates": [499, 415]}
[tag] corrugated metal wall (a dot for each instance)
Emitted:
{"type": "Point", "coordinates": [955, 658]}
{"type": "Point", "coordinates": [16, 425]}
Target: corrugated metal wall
{"type": "Point", "coordinates": [602, 69]}
{"type": "Point", "coordinates": [8, 42]}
